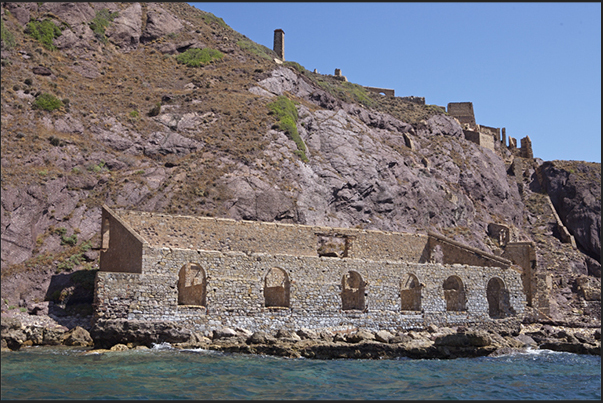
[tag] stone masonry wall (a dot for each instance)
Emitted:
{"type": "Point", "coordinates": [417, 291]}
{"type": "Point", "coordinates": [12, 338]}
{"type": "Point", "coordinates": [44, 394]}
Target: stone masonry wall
{"type": "Point", "coordinates": [387, 91]}
{"type": "Point", "coordinates": [483, 139]}
{"type": "Point", "coordinates": [463, 111]}
{"type": "Point", "coordinates": [227, 263]}
{"type": "Point", "coordinates": [524, 255]}
{"type": "Point", "coordinates": [121, 247]}
{"type": "Point", "coordinates": [526, 148]}
{"type": "Point", "coordinates": [235, 285]}
{"type": "Point", "coordinates": [492, 131]}
{"type": "Point", "coordinates": [279, 43]}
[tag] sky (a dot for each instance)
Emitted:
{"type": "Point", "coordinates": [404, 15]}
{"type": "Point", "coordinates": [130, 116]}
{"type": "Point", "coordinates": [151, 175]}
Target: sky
{"type": "Point", "coordinates": [533, 68]}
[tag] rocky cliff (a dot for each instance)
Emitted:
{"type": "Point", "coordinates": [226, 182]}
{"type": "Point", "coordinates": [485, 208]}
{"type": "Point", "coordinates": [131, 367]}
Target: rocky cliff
{"type": "Point", "coordinates": [105, 106]}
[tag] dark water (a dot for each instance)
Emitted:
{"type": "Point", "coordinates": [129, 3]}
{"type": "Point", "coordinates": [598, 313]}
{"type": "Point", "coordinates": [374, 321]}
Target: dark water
{"type": "Point", "coordinates": [164, 373]}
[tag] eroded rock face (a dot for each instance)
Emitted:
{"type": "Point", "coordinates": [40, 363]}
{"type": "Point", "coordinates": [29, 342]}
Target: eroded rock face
{"type": "Point", "coordinates": [106, 333]}
{"type": "Point", "coordinates": [72, 13]}
{"type": "Point", "coordinates": [363, 174]}
{"type": "Point", "coordinates": [22, 11]}
{"type": "Point", "coordinates": [126, 29]}
{"type": "Point", "coordinates": [159, 23]}
{"type": "Point", "coordinates": [577, 199]}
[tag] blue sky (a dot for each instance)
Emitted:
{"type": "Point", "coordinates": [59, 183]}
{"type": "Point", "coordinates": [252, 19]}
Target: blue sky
{"type": "Point", "coordinates": [533, 68]}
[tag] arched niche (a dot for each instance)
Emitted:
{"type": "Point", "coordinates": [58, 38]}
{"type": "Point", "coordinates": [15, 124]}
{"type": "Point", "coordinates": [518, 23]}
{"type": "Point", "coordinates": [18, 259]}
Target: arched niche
{"type": "Point", "coordinates": [497, 294]}
{"type": "Point", "coordinates": [352, 294]}
{"type": "Point", "coordinates": [410, 293]}
{"type": "Point", "coordinates": [276, 288]}
{"type": "Point", "coordinates": [454, 294]}
{"type": "Point", "coordinates": [192, 285]}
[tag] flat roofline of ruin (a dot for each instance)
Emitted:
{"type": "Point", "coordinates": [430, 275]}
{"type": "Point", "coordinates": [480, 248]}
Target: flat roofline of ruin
{"type": "Point", "coordinates": [326, 230]}
{"type": "Point", "coordinates": [317, 229]}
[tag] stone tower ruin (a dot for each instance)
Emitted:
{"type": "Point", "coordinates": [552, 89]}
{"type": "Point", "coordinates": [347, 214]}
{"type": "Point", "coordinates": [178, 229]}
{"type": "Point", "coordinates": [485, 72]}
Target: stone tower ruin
{"type": "Point", "coordinates": [463, 111]}
{"type": "Point", "coordinates": [279, 43]}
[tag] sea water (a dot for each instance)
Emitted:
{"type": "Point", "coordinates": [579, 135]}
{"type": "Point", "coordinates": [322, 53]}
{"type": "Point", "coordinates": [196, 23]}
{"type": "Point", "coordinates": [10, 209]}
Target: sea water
{"type": "Point", "coordinates": [167, 373]}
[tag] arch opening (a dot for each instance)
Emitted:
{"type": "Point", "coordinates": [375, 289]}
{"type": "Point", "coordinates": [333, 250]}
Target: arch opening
{"type": "Point", "coordinates": [192, 285]}
{"type": "Point", "coordinates": [410, 293]}
{"type": "Point", "coordinates": [276, 288]}
{"type": "Point", "coordinates": [352, 294]}
{"type": "Point", "coordinates": [499, 305]}
{"type": "Point", "coordinates": [454, 294]}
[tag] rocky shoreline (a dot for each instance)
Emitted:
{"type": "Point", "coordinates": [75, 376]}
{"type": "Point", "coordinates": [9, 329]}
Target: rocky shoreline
{"type": "Point", "coordinates": [502, 337]}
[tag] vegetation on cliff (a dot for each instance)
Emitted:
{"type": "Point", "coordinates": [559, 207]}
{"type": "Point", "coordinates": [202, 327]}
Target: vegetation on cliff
{"type": "Point", "coordinates": [286, 113]}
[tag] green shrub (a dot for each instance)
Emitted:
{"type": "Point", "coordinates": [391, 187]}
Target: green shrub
{"type": "Point", "coordinates": [44, 32]}
{"type": "Point", "coordinates": [286, 113]}
{"type": "Point", "coordinates": [100, 22]}
{"type": "Point", "coordinates": [8, 39]}
{"type": "Point", "coordinates": [69, 240]}
{"type": "Point", "coordinates": [86, 246]}
{"type": "Point", "coordinates": [296, 66]}
{"type": "Point", "coordinates": [199, 57]}
{"type": "Point", "coordinates": [156, 110]}
{"type": "Point", "coordinates": [344, 90]}
{"type": "Point", "coordinates": [47, 102]}
{"type": "Point", "coordinates": [96, 168]}
{"type": "Point", "coordinates": [210, 18]}
{"type": "Point", "coordinates": [134, 114]}
{"type": "Point", "coordinates": [66, 265]}
{"type": "Point", "coordinates": [55, 141]}
{"type": "Point", "coordinates": [256, 49]}
{"type": "Point", "coordinates": [66, 240]}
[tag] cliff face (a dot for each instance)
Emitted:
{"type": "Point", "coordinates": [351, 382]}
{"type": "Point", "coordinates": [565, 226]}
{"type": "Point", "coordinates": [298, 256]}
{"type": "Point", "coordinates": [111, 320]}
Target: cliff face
{"type": "Point", "coordinates": [139, 130]}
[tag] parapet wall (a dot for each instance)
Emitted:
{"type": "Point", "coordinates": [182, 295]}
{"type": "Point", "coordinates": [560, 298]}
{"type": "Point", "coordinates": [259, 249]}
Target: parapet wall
{"type": "Point", "coordinates": [236, 286]}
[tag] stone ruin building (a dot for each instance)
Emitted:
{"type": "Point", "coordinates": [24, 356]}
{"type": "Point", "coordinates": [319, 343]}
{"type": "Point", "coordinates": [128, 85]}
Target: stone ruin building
{"type": "Point", "coordinates": [206, 273]}
{"type": "Point", "coordinates": [487, 136]}
{"type": "Point", "coordinates": [279, 43]}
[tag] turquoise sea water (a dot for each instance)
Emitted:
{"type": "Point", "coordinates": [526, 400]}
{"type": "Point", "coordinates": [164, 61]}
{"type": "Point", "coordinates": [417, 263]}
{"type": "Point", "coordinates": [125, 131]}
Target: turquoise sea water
{"type": "Point", "coordinates": [165, 373]}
